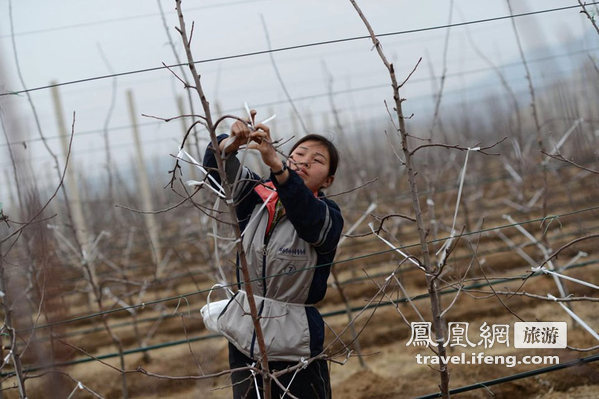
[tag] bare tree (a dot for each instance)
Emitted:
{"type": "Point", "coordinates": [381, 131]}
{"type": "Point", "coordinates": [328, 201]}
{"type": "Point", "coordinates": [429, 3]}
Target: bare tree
{"type": "Point", "coordinates": [429, 268]}
{"type": "Point", "coordinates": [211, 126]}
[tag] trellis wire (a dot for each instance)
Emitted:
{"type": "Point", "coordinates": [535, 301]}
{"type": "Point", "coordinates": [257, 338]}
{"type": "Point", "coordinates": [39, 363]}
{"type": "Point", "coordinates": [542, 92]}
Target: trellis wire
{"type": "Point", "coordinates": [381, 274]}
{"type": "Point", "coordinates": [485, 252]}
{"type": "Point", "coordinates": [300, 98]}
{"type": "Point", "coordinates": [280, 49]}
{"type": "Point", "coordinates": [324, 315]}
{"type": "Point", "coordinates": [444, 189]}
{"type": "Point", "coordinates": [179, 297]}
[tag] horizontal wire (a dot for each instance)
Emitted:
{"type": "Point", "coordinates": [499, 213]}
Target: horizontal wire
{"type": "Point", "coordinates": [324, 315]}
{"type": "Point", "coordinates": [313, 96]}
{"type": "Point", "coordinates": [123, 19]}
{"type": "Point", "coordinates": [355, 280]}
{"type": "Point", "coordinates": [328, 314]}
{"type": "Point", "coordinates": [403, 197]}
{"type": "Point", "coordinates": [183, 296]}
{"type": "Point", "coordinates": [486, 180]}
{"type": "Point", "coordinates": [447, 188]}
{"type": "Point", "coordinates": [287, 48]}
{"type": "Point", "coordinates": [443, 189]}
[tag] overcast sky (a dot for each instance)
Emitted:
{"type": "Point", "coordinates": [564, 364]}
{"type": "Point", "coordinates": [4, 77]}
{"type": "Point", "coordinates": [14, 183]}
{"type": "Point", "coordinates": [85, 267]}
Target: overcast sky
{"type": "Point", "coordinates": [79, 39]}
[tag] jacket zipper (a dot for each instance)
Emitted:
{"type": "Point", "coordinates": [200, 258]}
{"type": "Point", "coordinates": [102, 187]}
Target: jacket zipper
{"type": "Point", "coordinates": [264, 252]}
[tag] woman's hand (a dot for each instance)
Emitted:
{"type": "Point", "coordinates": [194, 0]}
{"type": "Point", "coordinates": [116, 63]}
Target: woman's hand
{"type": "Point", "coordinates": [256, 138]}
{"type": "Point", "coordinates": [240, 135]}
{"type": "Point", "coordinates": [261, 141]}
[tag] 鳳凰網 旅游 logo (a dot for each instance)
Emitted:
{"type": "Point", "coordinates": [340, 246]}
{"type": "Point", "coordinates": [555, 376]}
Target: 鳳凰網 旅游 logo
{"type": "Point", "coordinates": [525, 335]}
{"type": "Point", "coordinates": [457, 334]}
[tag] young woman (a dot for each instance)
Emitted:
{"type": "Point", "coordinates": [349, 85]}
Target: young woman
{"type": "Point", "coordinates": [290, 235]}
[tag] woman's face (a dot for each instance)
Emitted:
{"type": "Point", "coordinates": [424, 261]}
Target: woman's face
{"type": "Point", "coordinates": [311, 162]}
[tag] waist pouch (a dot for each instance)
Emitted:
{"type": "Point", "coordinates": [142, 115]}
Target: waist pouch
{"type": "Point", "coordinates": [284, 326]}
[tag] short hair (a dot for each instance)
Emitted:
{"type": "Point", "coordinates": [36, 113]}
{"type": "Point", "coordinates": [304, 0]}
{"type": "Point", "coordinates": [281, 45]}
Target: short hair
{"type": "Point", "coordinates": [333, 153]}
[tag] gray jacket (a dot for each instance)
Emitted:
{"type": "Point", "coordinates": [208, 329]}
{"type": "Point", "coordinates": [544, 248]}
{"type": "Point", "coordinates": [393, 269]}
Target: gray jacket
{"type": "Point", "coordinates": [289, 261]}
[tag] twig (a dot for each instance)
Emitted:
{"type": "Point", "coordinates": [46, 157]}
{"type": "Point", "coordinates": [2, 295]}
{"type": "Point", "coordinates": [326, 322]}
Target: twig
{"type": "Point", "coordinates": [353, 189]}
{"type": "Point", "coordinates": [589, 16]}
{"type": "Point", "coordinates": [350, 325]}
{"type": "Point", "coordinates": [568, 245]}
{"type": "Point", "coordinates": [13, 162]}
{"type": "Point", "coordinates": [504, 83]}
{"type": "Point", "coordinates": [177, 166]}
{"type": "Point", "coordinates": [459, 147]}
{"type": "Point", "coordinates": [38, 124]}
{"type": "Point", "coordinates": [193, 355]}
{"type": "Point", "coordinates": [182, 68]}
{"type": "Point", "coordinates": [106, 124]}
{"type": "Point", "coordinates": [344, 298]}
{"type": "Point", "coordinates": [559, 157]}
{"type": "Point", "coordinates": [439, 95]}
{"type": "Point", "coordinates": [5, 218]}
{"type": "Point", "coordinates": [406, 296]}
{"type": "Point", "coordinates": [174, 117]}
{"type": "Point", "coordinates": [185, 84]}
{"type": "Point", "coordinates": [279, 77]}
{"type": "Point", "coordinates": [161, 210]}
{"type": "Point", "coordinates": [192, 377]}
{"type": "Point", "coordinates": [401, 161]}
{"type": "Point", "coordinates": [411, 73]}
{"type": "Point", "coordinates": [543, 297]}
{"type": "Point", "coordinates": [533, 105]}
{"type": "Point", "coordinates": [386, 217]}
{"type": "Point", "coordinates": [284, 388]}
{"type": "Point", "coordinates": [86, 353]}
{"type": "Point", "coordinates": [494, 292]}
{"type": "Point", "coordinates": [60, 184]}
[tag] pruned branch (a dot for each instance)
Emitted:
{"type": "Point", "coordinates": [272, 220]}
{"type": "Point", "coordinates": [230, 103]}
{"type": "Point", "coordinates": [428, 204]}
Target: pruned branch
{"type": "Point", "coordinates": [359, 187]}
{"type": "Point", "coordinates": [192, 377]}
{"type": "Point", "coordinates": [173, 172]}
{"type": "Point", "coordinates": [383, 219]}
{"type": "Point", "coordinates": [556, 253]}
{"type": "Point", "coordinates": [536, 296]}
{"type": "Point", "coordinates": [591, 18]}
{"type": "Point", "coordinates": [174, 117]}
{"type": "Point", "coordinates": [185, 84]}
{"type": "Point", "coordinates": [279, 77]}
{"type": "Point", "coordinates": [482, 150]}
{"type": "Point", "coordinates": [559, 157]}
{"type": "Point", "coordinates": [170, 208]}
{"type": "Point", "coordinates": [410, 74]}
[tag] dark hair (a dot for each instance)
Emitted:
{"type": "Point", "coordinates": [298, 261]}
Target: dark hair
{"type": "Point", "coordinates": [333, 153]}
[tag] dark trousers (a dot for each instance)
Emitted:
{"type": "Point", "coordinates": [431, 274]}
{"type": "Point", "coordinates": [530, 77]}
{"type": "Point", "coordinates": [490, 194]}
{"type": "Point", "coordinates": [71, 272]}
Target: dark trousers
{"type": "Point", "coordinates": [312, 382]}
